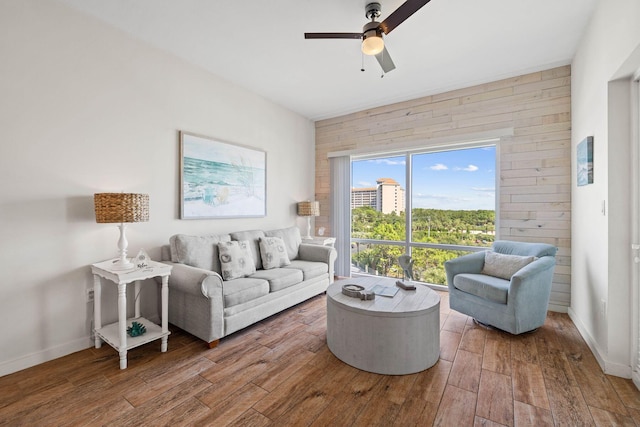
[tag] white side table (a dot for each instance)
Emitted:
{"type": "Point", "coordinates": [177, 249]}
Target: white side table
{"type": "Point", "coordinates": [115, 334]}
{"type": "Point", "coordinates": [320, 240]}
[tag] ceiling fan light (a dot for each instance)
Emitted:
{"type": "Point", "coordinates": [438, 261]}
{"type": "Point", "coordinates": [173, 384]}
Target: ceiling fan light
{"type": "Point", "coordinates": [372, 44]}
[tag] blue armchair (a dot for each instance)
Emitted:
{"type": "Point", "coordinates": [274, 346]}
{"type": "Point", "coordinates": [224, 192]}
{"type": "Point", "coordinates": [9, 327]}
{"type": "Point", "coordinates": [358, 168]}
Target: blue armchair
{"type": "Point", "coordinates": [515, 303]}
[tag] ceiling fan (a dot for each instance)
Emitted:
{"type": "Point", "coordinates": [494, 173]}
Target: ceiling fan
{"type": "Point", "coordinates": [371, 35]}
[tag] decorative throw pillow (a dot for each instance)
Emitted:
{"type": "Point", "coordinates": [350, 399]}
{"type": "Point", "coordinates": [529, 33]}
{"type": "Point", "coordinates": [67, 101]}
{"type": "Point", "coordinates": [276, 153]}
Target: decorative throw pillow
{"type": "Point", "coordinates": [251, 236]}
{"type": "Point", "coordinates": [273, 253]}
{"type": "Point", "coordinates": [291, 238]}
{"type": "Point", "coordinates": [235, 259]}
{"type": "Point", "coordinates": [504, 266]}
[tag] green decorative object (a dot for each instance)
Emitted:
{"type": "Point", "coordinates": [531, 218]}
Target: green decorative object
{"type": "Point", "coordinates": [136, 329]}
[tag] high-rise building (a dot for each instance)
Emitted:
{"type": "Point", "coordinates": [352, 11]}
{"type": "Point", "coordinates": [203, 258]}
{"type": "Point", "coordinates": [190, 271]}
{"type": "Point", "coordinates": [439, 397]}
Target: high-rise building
{"type": "Point", "coordinates": [386, 197]}
{"type": "Point", "coordinates": [364, 197]}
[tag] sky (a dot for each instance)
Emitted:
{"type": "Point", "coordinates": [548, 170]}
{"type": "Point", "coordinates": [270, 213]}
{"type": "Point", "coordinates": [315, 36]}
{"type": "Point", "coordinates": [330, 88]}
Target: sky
{"type": "Point", "coordinates": [456, 180]}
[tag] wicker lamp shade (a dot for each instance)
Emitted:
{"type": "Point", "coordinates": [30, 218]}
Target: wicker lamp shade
{"type": "Point", "coordinates": [121, 207]}
{"type": "Point", "coordinates": [308, 208]}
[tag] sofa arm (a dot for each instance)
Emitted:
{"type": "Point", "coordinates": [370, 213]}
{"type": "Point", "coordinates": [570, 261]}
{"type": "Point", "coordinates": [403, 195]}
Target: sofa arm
{"type": "Point", "coordinates": [533, 281]}
{"type": "Point", "coordinates": [319, 253]}
{"type": "Point", "coordinates": [195, 281]}
{"type": "Point", "coordinates": [469, 263]}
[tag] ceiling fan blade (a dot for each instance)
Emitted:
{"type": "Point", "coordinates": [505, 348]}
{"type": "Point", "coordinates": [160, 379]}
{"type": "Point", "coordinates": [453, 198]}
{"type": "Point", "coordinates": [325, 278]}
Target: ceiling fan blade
{"type": "Point", "coordinates": [333, 36]}
{"type": "Point", "coordinates": [385, 61]}
{"type": "Point", "coordinates": [405, 10]}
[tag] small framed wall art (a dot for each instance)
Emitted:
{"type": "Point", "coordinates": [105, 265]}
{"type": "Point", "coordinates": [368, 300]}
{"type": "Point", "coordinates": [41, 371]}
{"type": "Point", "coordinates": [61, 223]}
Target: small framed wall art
{"type": "Point", "coordinates": [221, 180]}
{"type": "Point", "coordinates": [585, 161]}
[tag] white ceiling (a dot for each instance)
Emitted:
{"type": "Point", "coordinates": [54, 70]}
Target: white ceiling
{"type": "Point", "coordinates": [259, 45]}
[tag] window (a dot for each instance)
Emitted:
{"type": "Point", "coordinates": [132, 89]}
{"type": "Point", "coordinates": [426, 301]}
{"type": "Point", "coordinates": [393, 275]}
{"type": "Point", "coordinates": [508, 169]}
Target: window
{"type": "Point", "coordinates": [451, 201]}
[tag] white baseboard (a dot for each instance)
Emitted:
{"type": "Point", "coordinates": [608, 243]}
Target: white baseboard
{"type": "Point", "coordinates": [46, 355]}
{"type": "Point", "coordinates": [33, 359]}
{"type": "Point", "coordinates": [557, 308]}
{"type": "Point", "coordinates": [608, 367]}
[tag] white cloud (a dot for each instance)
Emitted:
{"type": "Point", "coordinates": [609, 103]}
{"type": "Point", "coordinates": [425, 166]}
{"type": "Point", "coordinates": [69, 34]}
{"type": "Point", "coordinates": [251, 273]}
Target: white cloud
{"type": "Point", "coordinates": [440, 197]}
{"type": "Point", "coordinates": [365, 184]}
{"type": "Point", "coordinates": [389, 162]}
{"type": "Point", "coordinates": [438, 167]}
{"type": "Point", "coordinates": [470, 168]}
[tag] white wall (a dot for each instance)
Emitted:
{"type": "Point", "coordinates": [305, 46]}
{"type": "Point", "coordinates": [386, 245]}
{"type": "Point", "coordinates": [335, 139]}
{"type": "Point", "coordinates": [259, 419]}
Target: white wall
{"type": "Point", "coordinates": [86, 109]}
{"type": "Point", "coordinates": [601, 255]}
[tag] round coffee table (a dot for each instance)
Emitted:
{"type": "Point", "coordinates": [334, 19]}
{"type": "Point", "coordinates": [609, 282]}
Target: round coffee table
{"type": "Point", "coordinates": [396, 335]}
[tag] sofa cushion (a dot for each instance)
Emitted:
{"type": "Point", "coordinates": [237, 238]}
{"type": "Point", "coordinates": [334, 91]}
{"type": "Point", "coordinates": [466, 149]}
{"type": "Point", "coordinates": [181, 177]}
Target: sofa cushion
{"type": "Point", "coordinates": [291, 238]}
{"type": "Point", "coordinates": [279, 278]}
{"type": "Point", "coordinates": [253, 237]}
{"type": "Point", "coordinates": [273, 253]}
{"type": "Point", "coordinates": [235, 259]}
{"type": "Point", "coordinates": [310, 269]}
{"type": "Point", "coordinates": [483, 286]}
{"type": "Point", "coordinates": [504, 266]}
{"type": "Point", "coordinates": [239, 291]}
{"type": "Point", "coordinates": [197, 251]}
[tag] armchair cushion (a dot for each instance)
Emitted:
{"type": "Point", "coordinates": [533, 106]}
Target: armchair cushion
{"type": "Point", "coordinates": [504, 266]}
{"type": "Point", "coordinates": [486, 287]}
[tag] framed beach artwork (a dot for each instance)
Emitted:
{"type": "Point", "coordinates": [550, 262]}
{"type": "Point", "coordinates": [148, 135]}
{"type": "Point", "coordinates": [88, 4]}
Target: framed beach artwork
{"type": "Point", "coordinates": [585, 161]}
{"type": "Point", "coordinates": [221, 180]}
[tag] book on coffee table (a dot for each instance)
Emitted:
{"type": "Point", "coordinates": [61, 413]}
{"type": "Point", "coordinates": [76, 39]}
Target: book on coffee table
{"type": "Point", "coordinates": [385, 291]}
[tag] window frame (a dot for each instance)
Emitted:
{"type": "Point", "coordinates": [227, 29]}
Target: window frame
{"type": "Point", "coordinates": [408, 243]}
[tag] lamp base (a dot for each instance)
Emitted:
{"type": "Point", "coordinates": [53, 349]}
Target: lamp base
{"type": "Point", "coordinates": [122, 263]}
{"type": "Point", "coordinates": [308, 236]}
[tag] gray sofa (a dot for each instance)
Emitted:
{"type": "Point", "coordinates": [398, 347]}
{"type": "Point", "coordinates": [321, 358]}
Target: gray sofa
{"type": "Point", "coordinates": [221, 283]}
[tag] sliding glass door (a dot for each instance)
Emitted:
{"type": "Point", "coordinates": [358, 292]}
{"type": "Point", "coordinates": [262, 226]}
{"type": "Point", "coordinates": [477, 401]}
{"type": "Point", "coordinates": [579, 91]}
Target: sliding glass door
{"type": "Point", "coordinates": [433, 205]}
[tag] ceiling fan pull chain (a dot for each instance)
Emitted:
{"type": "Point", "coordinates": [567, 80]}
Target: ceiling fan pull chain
{"type": "Point", "coordinates": [362, 68]}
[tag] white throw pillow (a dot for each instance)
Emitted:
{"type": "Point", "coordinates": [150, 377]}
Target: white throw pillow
{"type": "Point", "coordinates": [502, 265]}
{"type": "Point", "coordinates": [291, 238]}
{"type": "Point", "coordinates": [273, 253]}
{"type": "Point", "coordinates": [235, 259]}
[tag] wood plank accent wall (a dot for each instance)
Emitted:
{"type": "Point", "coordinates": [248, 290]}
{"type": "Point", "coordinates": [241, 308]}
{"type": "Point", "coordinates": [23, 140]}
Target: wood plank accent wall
{"type": "Point", "coordinates": [535, 163]}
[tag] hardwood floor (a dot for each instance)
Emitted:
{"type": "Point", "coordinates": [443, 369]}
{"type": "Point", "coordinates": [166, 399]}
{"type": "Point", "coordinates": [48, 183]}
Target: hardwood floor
{"type": "Point", "coordinates": [280, 373]}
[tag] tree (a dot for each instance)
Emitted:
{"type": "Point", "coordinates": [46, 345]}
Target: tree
{"type": "Point", "coordinates": [466, 228]}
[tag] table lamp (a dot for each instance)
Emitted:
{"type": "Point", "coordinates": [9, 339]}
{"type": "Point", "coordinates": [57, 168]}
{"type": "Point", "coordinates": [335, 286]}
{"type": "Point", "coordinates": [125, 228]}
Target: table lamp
{"type": "Point", "coordinates": [308, 209]}
{"type": "Point", "coordinates": [121, 208]}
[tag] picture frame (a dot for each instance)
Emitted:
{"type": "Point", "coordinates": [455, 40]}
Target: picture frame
{"type": "Point", "coordinates": [584, 161]}
{"type": "Point", "coordinates": [219, 179]}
